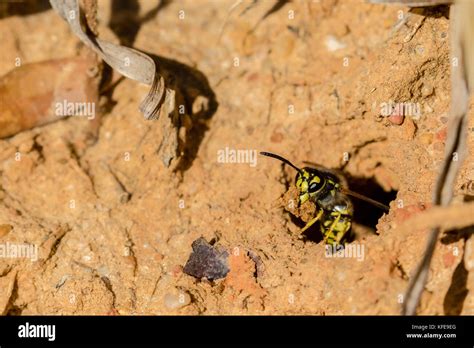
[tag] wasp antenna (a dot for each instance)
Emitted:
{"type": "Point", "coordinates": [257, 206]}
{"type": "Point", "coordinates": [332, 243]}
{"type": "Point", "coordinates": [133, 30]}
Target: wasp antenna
{"type": "Point", "coordinates": [278, 157]}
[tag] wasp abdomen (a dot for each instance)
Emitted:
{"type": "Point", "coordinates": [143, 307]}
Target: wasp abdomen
{"type": "Point", "coordinates": [336, 224]}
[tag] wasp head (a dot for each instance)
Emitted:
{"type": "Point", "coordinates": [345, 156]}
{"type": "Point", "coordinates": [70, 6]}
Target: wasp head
{"type": "Point", "coordinates": [310, 184]}
{"type": "Point", "coordinates": [309, 181]}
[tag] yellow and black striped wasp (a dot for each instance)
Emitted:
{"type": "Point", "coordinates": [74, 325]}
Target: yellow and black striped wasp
{"type": "Point", "coordinates": [327, 190]}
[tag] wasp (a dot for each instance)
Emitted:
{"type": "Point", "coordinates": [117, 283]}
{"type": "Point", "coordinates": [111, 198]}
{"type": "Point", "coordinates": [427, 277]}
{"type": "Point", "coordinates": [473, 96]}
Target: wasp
{"type": "Point", "coordinates": [328, 191]}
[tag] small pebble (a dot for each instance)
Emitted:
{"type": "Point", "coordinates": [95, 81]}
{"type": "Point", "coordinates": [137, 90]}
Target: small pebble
{"type": "Point", "coordinates": [340, 29]}
{"type": "Point", "coordinates": [427, 90]}
{"type": "Point", "coordinates": [449, 259]}
{"type": "Point", "coordinates": [396, 119]}
{"type": "Point", "coordinates": [276, 137]}
{"type": "Point", "coordinates": [26, 146]}
{"type": "Point", "coordinates": [409, 129]}
{"type": "Point", "coordinates": [207, 261]}
{"type": "Point", "coordinates": [426, 138]}
{"type": "Point", "coordinates": [176, 270]}
{"type": "Point", "coordinates": [175, 301]}
{"type": "Point", "coordinates": [5, 229]}
{"type": "Point", "coordinates": [441, 135]}
{"type": "Point", "coordinates": [333, 44]}
{"type": "Point", "coordinates": [252, 77]}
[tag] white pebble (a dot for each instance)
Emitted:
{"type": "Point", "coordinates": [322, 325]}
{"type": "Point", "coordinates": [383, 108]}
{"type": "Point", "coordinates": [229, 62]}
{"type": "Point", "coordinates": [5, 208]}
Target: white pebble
{"type": "Point", "coordinates": [175, 301]}
{"type": "Point", "coordinates": [333, 44]}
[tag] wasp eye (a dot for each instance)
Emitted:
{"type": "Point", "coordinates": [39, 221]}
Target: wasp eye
{"type": "Point", "coordinates": [315, 186]}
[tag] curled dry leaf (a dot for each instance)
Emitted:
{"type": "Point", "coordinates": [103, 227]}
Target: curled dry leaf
{"type": "Point", "coordinates": [127, 61]}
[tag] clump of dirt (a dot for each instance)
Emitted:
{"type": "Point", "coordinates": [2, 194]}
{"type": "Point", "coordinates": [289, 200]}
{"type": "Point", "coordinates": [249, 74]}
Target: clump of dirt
{"type": "Point", "coordinates": [305, 211]}
{"type": "Point", "coordinates": [312, 81]}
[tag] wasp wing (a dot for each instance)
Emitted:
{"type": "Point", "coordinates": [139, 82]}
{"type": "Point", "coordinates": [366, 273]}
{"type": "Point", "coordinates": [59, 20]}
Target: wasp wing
{"type": "Point", "coordinates": [365, 198]}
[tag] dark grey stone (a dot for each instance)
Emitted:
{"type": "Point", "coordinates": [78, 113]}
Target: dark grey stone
{"type": "Point", "coordinates": [207, 261]}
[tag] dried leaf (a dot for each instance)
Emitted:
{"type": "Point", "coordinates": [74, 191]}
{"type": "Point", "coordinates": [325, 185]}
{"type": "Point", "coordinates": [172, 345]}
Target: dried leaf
{"type": "Point", "coordinates": [129, 62]}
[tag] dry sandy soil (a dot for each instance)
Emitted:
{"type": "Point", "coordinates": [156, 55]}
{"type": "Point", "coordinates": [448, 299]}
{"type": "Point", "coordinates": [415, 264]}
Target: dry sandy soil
{"type": "Point", "coordinates": [114, 215]}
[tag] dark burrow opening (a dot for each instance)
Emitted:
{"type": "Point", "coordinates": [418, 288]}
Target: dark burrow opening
{"type": "Point", "coordinates": [365, 213]}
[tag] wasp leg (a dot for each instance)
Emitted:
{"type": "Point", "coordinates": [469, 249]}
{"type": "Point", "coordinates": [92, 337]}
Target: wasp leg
{"type": "Point", "coordinates": [330, 233]}
{"type": "Point", "coordinates": [312, 221]}
{"type": "Point", "coordinates": [338, 229]}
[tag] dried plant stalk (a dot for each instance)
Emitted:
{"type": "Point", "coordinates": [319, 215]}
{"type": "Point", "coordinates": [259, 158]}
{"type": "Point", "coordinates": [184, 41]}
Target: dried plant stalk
{"type": "Point", "coordinates": [462, 70]}
{"type": "Point", "coordinates": [462, 82]}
